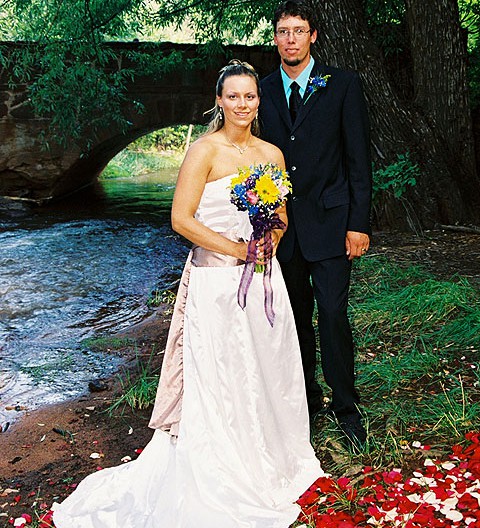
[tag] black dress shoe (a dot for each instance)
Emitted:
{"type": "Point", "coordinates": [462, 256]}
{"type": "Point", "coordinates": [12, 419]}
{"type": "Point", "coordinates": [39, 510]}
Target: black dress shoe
{"type": "Point", "coordinates": [353, 430]}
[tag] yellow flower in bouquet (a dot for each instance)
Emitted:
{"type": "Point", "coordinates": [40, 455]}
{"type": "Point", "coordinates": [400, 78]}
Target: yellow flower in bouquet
{"type": "Point", "coordinates": [266, 189]}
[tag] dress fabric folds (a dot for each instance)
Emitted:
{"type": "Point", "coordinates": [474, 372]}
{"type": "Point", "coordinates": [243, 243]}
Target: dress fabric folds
{"type": "Point", "coordinates": [242, 456]}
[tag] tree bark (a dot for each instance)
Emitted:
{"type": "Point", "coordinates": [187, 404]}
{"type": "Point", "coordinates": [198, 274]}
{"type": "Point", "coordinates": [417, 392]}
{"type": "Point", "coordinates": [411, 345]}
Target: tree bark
{"type": "Point", "coordinates": [344, 41]}
{"type": "Point", "coordinates": [439, 56]}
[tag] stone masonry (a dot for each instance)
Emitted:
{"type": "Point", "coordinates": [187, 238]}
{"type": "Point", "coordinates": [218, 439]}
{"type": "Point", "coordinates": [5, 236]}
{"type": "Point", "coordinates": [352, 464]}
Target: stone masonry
{"type": "Point", "coordinates": [29, 171]}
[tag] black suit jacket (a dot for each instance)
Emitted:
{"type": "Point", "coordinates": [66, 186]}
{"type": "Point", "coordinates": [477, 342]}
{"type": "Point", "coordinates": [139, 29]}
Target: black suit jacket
{"type": "Point", "coordinates": [327, 153]}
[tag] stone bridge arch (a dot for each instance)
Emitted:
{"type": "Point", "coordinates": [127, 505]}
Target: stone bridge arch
{"type": "Point", "coordinates": [28, 172]}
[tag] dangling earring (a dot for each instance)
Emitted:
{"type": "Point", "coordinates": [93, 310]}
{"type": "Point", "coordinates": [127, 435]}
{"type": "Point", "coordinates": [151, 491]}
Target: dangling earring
{"type": "Point", "coordinates": [219, 118]}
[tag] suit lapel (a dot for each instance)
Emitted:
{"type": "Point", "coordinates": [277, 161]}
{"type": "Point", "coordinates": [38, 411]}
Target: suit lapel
{"type": "Point", "coordinates": [307, 105]}
{"type": "Point", "coordinates": [277, 93]}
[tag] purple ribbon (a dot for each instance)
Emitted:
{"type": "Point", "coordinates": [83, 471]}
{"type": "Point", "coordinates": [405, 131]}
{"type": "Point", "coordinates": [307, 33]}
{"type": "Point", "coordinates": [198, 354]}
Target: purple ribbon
{"type": "Point", "coordinates": [262, 227]}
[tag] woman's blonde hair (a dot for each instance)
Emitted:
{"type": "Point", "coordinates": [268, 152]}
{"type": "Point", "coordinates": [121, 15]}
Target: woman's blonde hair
{"type": "Point", "coordinates": [233, 68]}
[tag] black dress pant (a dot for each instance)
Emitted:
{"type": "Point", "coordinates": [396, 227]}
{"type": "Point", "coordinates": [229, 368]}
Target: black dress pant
{"type": "Point", "coordinates": [326, 282]}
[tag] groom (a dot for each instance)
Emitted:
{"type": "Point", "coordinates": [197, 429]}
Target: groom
{"type": "Point", "coordinates": [317, 116]}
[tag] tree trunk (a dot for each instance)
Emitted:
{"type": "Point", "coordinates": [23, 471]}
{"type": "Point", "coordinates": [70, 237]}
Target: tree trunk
{"type": "Point", "coordinates": [344, 41]}
{"type": "Point", "coordinates": [439, 56]}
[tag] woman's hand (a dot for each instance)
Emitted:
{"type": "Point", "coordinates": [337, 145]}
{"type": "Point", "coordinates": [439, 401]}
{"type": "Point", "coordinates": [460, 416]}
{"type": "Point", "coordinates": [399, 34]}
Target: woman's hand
{"type": "Point", "coordinates": [263, 250]}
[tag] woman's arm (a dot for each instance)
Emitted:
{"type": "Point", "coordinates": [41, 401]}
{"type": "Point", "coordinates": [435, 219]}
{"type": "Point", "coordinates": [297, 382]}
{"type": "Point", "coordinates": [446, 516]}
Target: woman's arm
{"type": "Point", "coordinates": [277, 157]}
{"type": "Point", "coordinates": [192, 178]}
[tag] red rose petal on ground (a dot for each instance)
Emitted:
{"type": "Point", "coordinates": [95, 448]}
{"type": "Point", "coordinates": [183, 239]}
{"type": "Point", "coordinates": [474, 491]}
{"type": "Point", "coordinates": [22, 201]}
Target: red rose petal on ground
{"type": "Point", "coordinates": [343, 482]}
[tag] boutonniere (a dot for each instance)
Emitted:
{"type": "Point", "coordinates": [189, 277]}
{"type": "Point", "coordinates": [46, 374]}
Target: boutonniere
{"type": "Point", "coordinates": [315, 83]}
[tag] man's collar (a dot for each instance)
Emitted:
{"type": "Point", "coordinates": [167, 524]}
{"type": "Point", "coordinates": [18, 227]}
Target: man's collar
{"type": "Point", "coordinates": [301, 80]}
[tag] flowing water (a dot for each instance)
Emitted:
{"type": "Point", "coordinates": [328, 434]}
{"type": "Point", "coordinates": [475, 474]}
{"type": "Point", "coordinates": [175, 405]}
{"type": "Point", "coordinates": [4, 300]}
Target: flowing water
{"type": "Point", "coordinates": [81, 268]}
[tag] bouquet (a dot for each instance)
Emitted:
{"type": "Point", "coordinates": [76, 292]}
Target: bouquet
{"type": "Point", "coordinates": [260, 190]}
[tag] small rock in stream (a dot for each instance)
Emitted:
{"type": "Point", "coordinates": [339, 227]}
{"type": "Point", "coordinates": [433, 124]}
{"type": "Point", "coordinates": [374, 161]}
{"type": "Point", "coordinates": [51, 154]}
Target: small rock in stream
{"type": "Point", "coordinates": [97, 386]}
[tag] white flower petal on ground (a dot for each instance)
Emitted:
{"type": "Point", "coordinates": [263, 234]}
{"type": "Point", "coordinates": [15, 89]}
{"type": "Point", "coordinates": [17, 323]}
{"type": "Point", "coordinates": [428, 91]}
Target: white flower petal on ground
{"type": "Point", "coordinates": [425, 481]}
{"type": "Point", "coordinates": [448, 465]}
{"type": "Point", "coordinates": [430, 498]}
{"type": "Point", "coordinates": [450, 503]}
{"type": "Point", "coordinates": [414, 497]}
{"type": "Point", "coordinates": [390, 515]}
{"type": "Point", "coordinates": [453, 515]}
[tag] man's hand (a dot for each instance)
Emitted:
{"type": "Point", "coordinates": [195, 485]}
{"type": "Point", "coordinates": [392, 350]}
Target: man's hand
{"type": "Point", "coordinates": [356, 244]}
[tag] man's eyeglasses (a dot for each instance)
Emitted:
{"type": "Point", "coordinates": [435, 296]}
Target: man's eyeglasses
{"type": "Point", "coordinates": [297, 32]}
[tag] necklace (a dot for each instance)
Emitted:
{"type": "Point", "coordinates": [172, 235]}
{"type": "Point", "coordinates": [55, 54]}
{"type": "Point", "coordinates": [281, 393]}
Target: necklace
{"type": "Point", "coordinates": [240, 149]}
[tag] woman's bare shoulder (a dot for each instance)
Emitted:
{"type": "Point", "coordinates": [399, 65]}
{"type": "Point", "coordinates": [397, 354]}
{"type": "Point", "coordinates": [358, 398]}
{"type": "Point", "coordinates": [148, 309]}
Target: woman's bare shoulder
{"type": "Point", "coordinates": [201, 151]}
{"type": "Point", "coordinates": [204, 143]}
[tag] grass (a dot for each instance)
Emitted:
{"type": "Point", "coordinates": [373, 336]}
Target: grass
{"type": "Point", "coordinates": [138, 389]}
{"type": "Point", "coordinates": [417, 365]}
{"type": "Point", "coordinates": [47, 371]}
{"type": "Point", "coordinates": [159, 297]}
{"type": "Point", "coordinates": [107, 343]}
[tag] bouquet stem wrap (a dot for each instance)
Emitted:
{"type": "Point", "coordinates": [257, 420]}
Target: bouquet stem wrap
{"type": "Point", "coordinates": [262, 228]}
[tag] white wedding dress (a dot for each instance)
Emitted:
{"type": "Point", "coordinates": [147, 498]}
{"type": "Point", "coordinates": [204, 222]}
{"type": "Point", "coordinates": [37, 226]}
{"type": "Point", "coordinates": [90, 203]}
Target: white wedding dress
{"type": "Point", "coordinates": [243, 455]}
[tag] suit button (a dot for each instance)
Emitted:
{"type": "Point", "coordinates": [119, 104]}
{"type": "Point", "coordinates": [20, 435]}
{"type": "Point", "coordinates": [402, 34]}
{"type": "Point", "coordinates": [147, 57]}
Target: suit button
{"type": "Point", "coordinates": [294, 198]}
{"type": "Point", "coordinates": [292, 138]}
{"type": "Point", "coordinates": [294, 168]}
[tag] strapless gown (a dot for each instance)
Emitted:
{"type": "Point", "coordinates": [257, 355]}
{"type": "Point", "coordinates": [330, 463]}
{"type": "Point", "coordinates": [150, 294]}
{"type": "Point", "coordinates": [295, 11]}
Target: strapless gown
{"type": "Point", "coordinates": [242, 456]}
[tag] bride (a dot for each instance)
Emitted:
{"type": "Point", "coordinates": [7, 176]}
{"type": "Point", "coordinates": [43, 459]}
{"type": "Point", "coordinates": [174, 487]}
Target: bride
{"type": "Point", "coordinates": [231, 444]}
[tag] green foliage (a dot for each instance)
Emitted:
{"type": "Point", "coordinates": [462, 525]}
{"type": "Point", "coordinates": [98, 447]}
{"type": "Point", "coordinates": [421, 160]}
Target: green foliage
{"type": "Point", "coordinates": [474, 75]}
{"type": "Point", "coordinates": [72, 78]}
{"type": "Point", "coordinates": [227, 21]}
{"type": "Point", "coordinates": [386, 21]}
{"type": "Point", "coordinates": [160, 297]}
{"type": "Point", "coordinates": [81, 84]}
{"type": "Point", "coordinates": [395, 178]}
{"type": "Point", "coordinates": [169, 138]}
{"type": "Point", "coordinates": [470, 19]}
{"type": "Point", "coordinates": [161, 149]}
{"type": "Point", "coordinates": [130, 163]}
